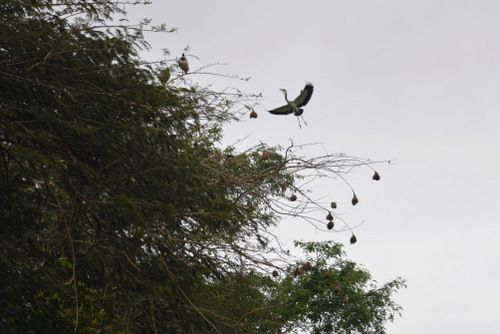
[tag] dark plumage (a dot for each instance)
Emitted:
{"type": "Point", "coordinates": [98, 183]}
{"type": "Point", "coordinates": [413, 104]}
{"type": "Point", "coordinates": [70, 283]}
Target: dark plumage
{"type": "Point", "coordinates": [183, 64]}
{"type": "Point", "coordinates": [295, 105]}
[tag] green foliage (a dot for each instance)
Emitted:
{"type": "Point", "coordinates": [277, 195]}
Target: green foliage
{"type": "Point", "coordinates": [119, 214]}
{"type": "Point", "coordinates": [336, 296]}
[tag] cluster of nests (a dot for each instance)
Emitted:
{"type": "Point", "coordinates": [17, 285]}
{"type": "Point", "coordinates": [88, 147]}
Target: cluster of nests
{"type": "Point", "coordinates": [329, 217]}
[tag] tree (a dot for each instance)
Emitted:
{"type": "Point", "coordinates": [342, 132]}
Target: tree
{"type": "Point", "coordinates": [328, 294]}
{"type": "Point", "coordinates": [119, 213]}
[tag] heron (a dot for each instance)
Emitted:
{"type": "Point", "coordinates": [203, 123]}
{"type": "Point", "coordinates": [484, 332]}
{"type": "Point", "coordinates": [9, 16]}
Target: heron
{"type": "Point", "coordinates": [295, 105]}
{"type": "Point", "coordinates": [183, 64]}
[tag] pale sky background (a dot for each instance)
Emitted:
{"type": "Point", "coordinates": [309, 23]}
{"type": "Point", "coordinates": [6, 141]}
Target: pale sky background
{"type": "Point", "coordinates": [417, 82]}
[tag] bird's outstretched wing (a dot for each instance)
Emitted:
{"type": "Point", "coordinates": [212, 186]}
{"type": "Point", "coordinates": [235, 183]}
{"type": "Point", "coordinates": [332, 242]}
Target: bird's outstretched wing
{"type": "Point", "coordinates": [283, 110]}
{"type": "Point", "coordinates": [305, 95]}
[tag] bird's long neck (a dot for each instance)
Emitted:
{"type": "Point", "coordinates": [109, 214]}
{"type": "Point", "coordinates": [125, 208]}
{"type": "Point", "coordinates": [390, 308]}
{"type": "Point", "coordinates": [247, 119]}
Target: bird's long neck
{"type": "Point", "coordinates": [286, 97]}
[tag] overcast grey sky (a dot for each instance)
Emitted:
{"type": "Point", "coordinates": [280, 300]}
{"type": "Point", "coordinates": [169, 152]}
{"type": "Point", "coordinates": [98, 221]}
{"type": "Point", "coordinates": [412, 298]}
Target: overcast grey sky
{"type": "Point", "coordinates": [415, 81]}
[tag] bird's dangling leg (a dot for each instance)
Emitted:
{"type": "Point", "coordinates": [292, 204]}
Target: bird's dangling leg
{"type": "Point", "coordinates": [298, 119]}
{"type": "Point", "coordinates": [303, 120]}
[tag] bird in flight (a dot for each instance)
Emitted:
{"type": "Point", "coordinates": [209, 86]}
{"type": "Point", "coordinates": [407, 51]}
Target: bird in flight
{"type": "Point", "coordinates": [295, 105]}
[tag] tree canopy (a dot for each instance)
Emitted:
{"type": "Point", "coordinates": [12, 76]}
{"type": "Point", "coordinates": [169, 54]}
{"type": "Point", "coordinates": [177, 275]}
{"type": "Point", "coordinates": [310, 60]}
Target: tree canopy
{"type": "Point", "coordinates": [120, 214]}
